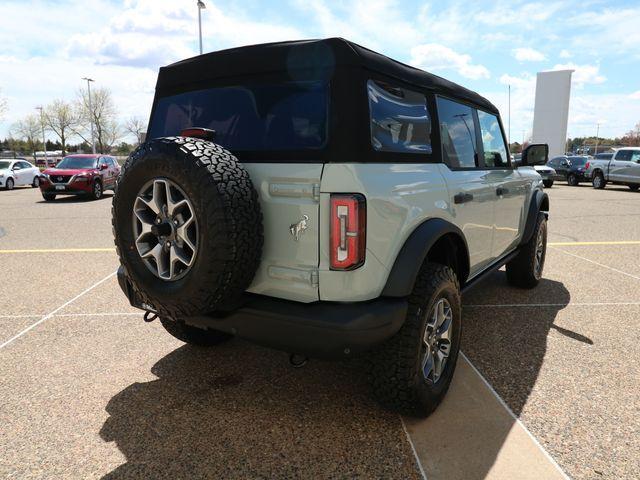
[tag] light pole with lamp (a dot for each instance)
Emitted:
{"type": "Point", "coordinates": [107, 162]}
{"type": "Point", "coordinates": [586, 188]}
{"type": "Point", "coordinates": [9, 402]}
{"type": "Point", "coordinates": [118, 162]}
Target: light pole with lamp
{"type": "Point", "coordinates": [44, 141]}
{"type": "Point", "coordinates": [201, 6]}
{"type": "Point", "coordinates": [93, 142]}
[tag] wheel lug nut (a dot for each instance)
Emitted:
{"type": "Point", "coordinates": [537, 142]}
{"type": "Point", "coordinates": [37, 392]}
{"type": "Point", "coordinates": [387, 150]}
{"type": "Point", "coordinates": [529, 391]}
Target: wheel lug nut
{"type": "Point", "coordinates": [168, 244]}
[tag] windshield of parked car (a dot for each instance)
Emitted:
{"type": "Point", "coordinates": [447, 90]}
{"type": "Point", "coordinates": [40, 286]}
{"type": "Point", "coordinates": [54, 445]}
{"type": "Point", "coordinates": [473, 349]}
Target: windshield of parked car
{"type": "Point", "coordinates": [77, 162]}
{"type": "Point", "coordinates": [577, 161]}
{"type": "Point", "coordinates": [4, 165]}
{"type": "Point", "coordinates": [286, 116]}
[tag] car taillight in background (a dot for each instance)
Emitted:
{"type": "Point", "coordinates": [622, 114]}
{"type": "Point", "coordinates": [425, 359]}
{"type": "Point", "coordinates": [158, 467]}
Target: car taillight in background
{"type": "Point", "coordinates": [586, 167]}
{"type": "Point", "coordinates": [348, 231]}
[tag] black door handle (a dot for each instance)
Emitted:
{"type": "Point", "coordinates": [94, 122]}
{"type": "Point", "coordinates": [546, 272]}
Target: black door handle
{"type": "Point", "coordinates": [462, 198]}
{"type": "Point", "coordinates": [501, 191]}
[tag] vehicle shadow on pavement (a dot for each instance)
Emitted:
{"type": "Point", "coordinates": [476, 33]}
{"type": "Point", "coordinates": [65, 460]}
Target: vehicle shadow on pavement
{"type": "Point", "coordinates": [76, 199]}
{"type": "Point", "coordinates": [507, 342]}
{"type": "Point", "coordinates": [240, 411]}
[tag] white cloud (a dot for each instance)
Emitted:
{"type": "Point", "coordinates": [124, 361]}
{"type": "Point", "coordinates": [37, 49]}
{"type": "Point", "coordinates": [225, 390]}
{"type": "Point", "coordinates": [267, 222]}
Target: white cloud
{"type": "Point", "coordinates": [377, 24]}
{"type": "Point", "coordinates": [435, 57]}
{"type": "Point", "coordinates": [526, 54]}
{"type": "Point", "coordinates": [610, 30]}
{"type": "Point", "coordinates": [564, 53]}
{"type": "Point", "coordinates": [583, 74]}
{"type": "Point", "coordinates": [635, 95]}
{"type": "Point", "coordinates": [152, 33]}
{"type": "Point", "coordinates": [524, 15]}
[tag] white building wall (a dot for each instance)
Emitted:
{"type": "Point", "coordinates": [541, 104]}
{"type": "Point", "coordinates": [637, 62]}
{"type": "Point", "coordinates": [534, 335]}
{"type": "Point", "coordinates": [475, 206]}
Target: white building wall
{"type": "Point", "coordinates": [551, 114]}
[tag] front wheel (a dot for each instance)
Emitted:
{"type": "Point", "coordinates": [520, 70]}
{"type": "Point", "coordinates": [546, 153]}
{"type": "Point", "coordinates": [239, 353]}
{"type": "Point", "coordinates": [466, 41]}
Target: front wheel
{"type": "Point", "coordinates": [193, 335]}
{"type": "Point", "coordinates": [10, 184]}
{"type": "Point", "coordinates": [547, 183]}
{"type": "Point", "coordinates": [598, 181]}
{"type": "Point", "coordinates": [96, 191]}
{"type": "Point", "coordinates": [572, 180]}
{"type": "Point", "coordinates": [49, 197]}
{"type": "Point", "coordinates": [525, 270]}
{"type": "Point", "coordinates": [411, 372]}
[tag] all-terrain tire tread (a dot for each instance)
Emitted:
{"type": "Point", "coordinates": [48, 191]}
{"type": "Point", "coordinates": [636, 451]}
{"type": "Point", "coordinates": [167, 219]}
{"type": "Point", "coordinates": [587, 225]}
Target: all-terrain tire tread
{"type": "Point", "coordinates": [392, 371]}
{"type": "Point", "coordinates": [221, 178]}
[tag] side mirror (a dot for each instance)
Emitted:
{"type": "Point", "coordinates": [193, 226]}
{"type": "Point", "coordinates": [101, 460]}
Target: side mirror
{"type": "Point", "coordinates": [104, 166]}
{"type": "Point", "coordinates": [535, 154]}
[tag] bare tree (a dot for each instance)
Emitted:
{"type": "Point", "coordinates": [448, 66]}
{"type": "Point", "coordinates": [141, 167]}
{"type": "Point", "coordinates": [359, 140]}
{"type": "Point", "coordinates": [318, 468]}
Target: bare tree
{"type": "Point", "coordinates": [3, 105]}
{"type": "Point", "coordinates": [28, 129]}
{"type": "Point", "coordinates": [102, 113]}
{"type": "Point", "coordinates": [61, 119]}
{"type": "Point", "coordinates": [136, 127]}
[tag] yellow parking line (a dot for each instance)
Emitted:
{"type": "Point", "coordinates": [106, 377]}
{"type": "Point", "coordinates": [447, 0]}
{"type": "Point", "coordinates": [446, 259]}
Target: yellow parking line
{"type": "Point", "coordinates": [571, 244]}
{"type": "Point", "coordinates": [60, 250]}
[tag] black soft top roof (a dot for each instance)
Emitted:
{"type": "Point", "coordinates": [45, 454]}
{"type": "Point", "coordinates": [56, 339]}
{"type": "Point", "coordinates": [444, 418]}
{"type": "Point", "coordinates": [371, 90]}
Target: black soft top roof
{"type": "Point", "coordinates": [332, 54]}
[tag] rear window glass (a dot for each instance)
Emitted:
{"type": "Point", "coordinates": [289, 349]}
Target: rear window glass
{"type": "Point", "coordinates": [287, 116]}
{"type": "Point", "coordinates": [399, 118]}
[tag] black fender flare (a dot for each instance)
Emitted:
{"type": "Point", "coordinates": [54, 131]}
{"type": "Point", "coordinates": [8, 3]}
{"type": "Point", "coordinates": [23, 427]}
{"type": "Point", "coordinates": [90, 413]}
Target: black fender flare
{"type": "Point", "coordinates": [539, 202]}
{"type": "Point", "coordinates": [405, 269]}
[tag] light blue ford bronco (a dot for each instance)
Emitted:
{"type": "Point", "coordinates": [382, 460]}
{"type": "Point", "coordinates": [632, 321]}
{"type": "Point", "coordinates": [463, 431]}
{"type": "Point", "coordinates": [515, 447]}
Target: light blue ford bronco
{"type": "Point", "coordinates": [325, 200]}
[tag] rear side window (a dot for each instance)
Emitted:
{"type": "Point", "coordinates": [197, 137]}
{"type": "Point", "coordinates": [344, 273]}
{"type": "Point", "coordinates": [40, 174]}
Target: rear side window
{"type": "Point", "coordinates": [286, 116]}
{"type": "Point", "coordinates": [457, 133]}
{"type": "Point", "coordinates": [495, 150]}
{"type": "Point", "coordinates": [628, 155]}
{"type": "Point", "coordinates": [399, 119]}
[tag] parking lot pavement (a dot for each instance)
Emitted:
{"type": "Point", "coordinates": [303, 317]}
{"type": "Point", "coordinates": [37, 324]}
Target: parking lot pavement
{"type": "Point", "coordinates": [91, 391]}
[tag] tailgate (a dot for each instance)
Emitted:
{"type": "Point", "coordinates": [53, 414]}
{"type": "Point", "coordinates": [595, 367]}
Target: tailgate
{"type": "Point", "coordinates": [289, 196]}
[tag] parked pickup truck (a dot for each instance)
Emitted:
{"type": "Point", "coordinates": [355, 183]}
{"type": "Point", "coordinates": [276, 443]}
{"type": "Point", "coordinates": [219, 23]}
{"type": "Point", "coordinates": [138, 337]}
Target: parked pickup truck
{"type": "Point", "coordinates": [622, 169]}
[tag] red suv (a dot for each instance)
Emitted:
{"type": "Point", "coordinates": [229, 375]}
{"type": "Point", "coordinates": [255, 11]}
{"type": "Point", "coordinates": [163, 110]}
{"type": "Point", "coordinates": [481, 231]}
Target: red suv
{"type": "Point", "coordinates": [88, 175]}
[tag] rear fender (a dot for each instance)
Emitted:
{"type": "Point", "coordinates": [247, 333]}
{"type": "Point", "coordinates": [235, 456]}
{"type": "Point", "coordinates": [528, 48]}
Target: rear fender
{"type": "Point", "coordinates": [414, 252]}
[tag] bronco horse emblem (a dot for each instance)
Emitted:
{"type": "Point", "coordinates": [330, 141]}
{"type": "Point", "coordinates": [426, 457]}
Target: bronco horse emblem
{"type": "Point", "coordinates": [298, 229]}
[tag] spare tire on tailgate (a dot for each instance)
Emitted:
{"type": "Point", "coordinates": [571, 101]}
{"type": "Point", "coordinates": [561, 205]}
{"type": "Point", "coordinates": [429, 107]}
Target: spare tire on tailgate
{"type": "Point", "coordinates": [187, 226]}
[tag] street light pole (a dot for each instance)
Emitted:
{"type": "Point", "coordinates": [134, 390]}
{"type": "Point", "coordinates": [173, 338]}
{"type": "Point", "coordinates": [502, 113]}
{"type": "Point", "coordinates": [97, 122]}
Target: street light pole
{"type": "Point", "coordinates": [201, 6]}
{"type": "Point", "coordinates": [93, 142]}
{"type": "Point", "coordinates": [509, 134]}
{"type": "Point", "coordinates": [44, 141]}
{"type": "Point", "coordinates": [597, 136]}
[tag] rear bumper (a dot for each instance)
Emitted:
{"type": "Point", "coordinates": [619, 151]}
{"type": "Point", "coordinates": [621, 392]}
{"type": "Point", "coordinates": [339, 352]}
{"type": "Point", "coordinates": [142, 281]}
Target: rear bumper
{"type": "Point", "coordinates": [319, 330]}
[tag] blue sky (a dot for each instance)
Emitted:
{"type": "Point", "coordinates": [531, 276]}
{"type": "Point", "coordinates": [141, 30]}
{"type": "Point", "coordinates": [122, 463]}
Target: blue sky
{"type": "Point", "coordinates": [48, 45]}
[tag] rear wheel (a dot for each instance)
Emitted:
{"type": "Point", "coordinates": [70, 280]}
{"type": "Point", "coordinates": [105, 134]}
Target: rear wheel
{"type": "Point", "coordinates": [525, 270]}
{"type": "Point", "coordinates": [36, 182]}
{"type": "Point", "coordinates": [193, 335]}
{"type": "Point", "coordinates": [10, 184]}
{"type": "Point", "coordinates": [547, 183]}
{"type": "Point", "coordinates": [598, 181]}
{"type": "Point", "coordinates": [572, 180]}
{"type": "Point", "coordinates": [411, 372]}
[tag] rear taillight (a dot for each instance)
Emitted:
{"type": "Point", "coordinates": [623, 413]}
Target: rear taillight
{"type": "Point", "coordinates": [586, 167]}
{"type": "Point", "coordinates": [348, 231]}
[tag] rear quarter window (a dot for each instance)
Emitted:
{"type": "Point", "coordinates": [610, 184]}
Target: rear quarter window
{"type": "Point", "coordinates": [399, 119]}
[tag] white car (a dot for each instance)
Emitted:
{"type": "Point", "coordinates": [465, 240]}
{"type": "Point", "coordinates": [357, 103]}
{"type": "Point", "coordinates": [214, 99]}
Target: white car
{"type": "Point", "coordinates": [14, 173]}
